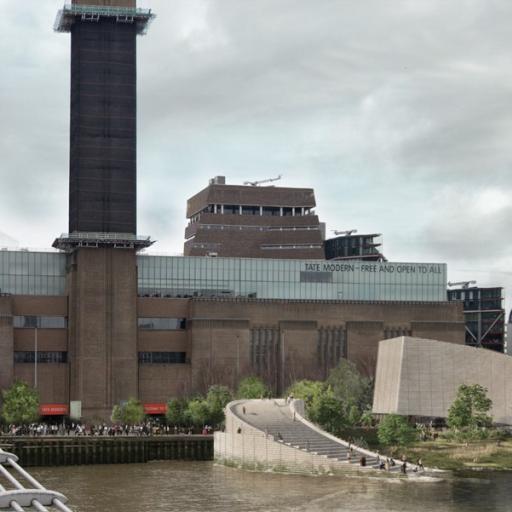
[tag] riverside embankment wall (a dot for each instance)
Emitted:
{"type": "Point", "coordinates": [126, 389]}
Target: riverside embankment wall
{"type": "Point", "coordinates": [70, 451]}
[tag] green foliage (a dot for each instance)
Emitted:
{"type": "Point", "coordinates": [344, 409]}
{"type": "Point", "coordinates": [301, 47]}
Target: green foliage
{"type": "Point", "coordinates": [305, 390]}
{"type": "Point", "coordinates": [395, 430]}
{"type": "Point", "coordinates": [198, 412]}
{"type": "Point", "coordinates": [350, 387]}
{"type": "Point", "coordinates": [327, 411]}
{"type": "Point", "coordinates": [116, 414]}
{"type": "Point", "coordinates": [217, 398]}
{"type": "Point", "coordinates": [252, 387]}
{"type": "Point", "coordinates": [338, 403]}
{"type": "Point", "coordinates": [367, 419]}
{"type": "Point", "coordinates": [21, 404]}
{"type": "Point", "coordinates": [354, 415]}
{"type": "Point", "coordinates": [129, 413]}
{"type": "Point", "coordinates": [470, 409]}
{"type": "Point", "coordinates": [176, 411]}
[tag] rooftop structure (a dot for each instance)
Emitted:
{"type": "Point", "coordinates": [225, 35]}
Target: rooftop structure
{"type": "Point", "coordinates": [71, 241]}
{"type": "Point", "coordinates": [483, 313]}
{"type": "Point", "coordinates": [78, 11]}
{"type": "Point", "coordinates": [354, 247]}
{"type": "Point", "coordinates": [253, 222]}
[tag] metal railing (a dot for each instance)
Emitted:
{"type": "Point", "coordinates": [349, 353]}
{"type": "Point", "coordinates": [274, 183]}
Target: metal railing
{"type": "Point", "coordinates": [36, 497]}
{"type": "Point", "coordinates": [104, 236]}
{"type": "Point", "coordinates": [70, 13]}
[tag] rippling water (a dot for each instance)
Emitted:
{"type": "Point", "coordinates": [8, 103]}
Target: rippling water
{"type": "Point", "coordinates": [204, 486]}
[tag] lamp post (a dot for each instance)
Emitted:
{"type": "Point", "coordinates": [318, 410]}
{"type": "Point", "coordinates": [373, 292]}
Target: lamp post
{"type": "Point", "coordinates": [35, 357]}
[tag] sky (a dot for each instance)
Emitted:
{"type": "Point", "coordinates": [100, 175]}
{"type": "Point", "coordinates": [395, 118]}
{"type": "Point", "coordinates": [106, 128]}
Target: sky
{"type": "Point", "coordinates": [397, 113]}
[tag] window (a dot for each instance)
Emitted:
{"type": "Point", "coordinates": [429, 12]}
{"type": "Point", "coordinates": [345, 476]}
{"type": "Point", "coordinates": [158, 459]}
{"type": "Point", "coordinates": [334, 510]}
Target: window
{"type": "Point", "coordinates": [315, 277]}
{"type": "Point", "coordinates": [250, 210]}
{"type": "Point", "coordinates": [271, 211]}
{"type": "Point", "coordinates": [231, 209]}
{"type": "Point", "coordinates": [40, 322]}
{"type": "Point", "coordinates": [162, 324]}
{"type": "Point", "coordinates": [42, 357]}
{"type": "Point", "coordinates": [162, 357]}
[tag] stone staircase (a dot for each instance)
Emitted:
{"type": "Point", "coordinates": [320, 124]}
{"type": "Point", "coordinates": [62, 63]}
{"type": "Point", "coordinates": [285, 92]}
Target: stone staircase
{"type": "Point", "coordinates": [283, 422]}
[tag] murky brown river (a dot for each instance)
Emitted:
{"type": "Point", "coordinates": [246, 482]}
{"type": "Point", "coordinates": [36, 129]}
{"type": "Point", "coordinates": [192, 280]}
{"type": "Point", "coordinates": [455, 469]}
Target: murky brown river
{"type": "Point", "coordinates": [203, 486]}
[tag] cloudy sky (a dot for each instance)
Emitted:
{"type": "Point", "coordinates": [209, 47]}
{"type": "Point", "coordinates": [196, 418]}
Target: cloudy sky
{"type": "Point", "coordinates": [397, 113]}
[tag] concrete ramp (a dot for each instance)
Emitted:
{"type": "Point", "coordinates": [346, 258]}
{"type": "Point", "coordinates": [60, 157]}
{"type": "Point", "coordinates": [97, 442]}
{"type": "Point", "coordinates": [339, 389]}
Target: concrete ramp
{"type": "Point", "coordinates": [270, 434]}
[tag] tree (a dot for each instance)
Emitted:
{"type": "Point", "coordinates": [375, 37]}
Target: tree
{"type": "Point", "coordinates": [305, 390]}
{"type": "Point", "coordinates": [350, 387]}
{"type": "Point", "coordinates": [252, 387]}
{"type": "Point", "coordinates": [21, 404]}
{"type": "Point", "coordinates": [327, 411]}
{"type": "Point", "coordinates": [197, 412]}
{"type": "Point", "coordinates": [217, 398]}
{"type": "Point", "coordinates": [470, 409]}
{"type": "Point", "coordinates": [130, 412]}
{"type": "Point", "coordinates": [176, 409]}
{"type": "Point", "coordinates": [395, 430]}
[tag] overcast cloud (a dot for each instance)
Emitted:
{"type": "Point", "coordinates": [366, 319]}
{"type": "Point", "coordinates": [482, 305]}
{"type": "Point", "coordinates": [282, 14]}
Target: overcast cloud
{"type": "Point", "coordinates": [397, 113]}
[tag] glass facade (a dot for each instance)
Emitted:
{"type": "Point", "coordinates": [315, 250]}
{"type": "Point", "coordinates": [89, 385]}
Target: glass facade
{"type": "Point", "coordinates": [41, 273]}
{"type": "Point", "coordinates": [162, 357]}
{"type": "Point", "coordinates": [32, 273]}
{"type": "Point", "coordinates": [162, 324]}
{"type": "Point", "coordinates": [40, 322]}
{"type": "Point", "coordinates": [42, 357]}
{"type": "Point", "coordinates": [178, 276]}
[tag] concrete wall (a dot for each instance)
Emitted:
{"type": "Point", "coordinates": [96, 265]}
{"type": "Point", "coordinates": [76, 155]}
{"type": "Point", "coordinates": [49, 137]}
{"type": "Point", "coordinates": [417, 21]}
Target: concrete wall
{"type": "Point", "coordinates": [420, 377]}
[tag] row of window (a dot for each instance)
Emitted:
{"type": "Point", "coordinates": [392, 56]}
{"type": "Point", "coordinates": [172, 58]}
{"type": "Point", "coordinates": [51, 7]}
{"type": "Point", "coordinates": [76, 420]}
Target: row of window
{"type": "Point", "coordinates": [162, 324]}
{"type": "Point", "coordinates": [162, 357]}
{"type": "Point", "coordinates": [40, 322]}
{"type": "Point", "coordinates": [42, 357]}
{"type": "Point", "coordinates": [266, 211]}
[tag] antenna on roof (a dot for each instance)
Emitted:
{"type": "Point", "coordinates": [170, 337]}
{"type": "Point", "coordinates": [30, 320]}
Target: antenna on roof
{"type": "Point", "coordinates": [256, 183]}
{"type": "Point", "coordinates": [463, 284]}
{"type": "Point", "coordinates": [347, 232]}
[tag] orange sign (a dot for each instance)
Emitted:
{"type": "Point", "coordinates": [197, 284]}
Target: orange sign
{"type": "Point", "coordinates": [53, 410]}
{"type": "Point", "coordinates": [155, 408]}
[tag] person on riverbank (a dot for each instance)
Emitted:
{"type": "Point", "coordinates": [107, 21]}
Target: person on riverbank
{"type": "Point", "coordinates": [362, 461]}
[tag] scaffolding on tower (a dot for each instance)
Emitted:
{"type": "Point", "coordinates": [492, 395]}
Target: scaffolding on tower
{"type": "Point", "coordinates": [69, 14]}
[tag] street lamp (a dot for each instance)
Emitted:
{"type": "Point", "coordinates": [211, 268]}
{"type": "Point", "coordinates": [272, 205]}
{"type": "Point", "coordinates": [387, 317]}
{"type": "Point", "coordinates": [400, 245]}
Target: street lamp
{"type": "Point", "coordinates": [35, 357]}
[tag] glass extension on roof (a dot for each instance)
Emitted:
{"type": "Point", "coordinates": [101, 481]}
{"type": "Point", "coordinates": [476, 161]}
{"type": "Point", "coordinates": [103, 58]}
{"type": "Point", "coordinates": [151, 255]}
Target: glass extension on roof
{"type": "Point", "coordinates": [178, 276]}
{"type": "Point", "coordinates": [32, 273]}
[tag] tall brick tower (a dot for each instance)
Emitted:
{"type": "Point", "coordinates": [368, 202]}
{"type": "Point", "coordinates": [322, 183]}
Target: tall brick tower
{"type": "Point", "coordinates": [102, 239]}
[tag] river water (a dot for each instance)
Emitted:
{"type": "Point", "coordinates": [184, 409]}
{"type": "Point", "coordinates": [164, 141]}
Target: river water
{"type": "Point", "coordinates": [204, 486]}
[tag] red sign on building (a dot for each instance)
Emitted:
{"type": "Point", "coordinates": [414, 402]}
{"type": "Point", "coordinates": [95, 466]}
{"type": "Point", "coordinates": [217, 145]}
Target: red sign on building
{"type": "Point", "coordinates": [53, 410]}
{"type": "Point", "coordinates": [155, 408]}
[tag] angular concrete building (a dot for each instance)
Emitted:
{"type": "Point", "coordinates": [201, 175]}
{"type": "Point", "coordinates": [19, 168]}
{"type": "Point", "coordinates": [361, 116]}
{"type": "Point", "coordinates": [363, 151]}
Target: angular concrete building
{"type": "Point", "coordinates": [420, 377]}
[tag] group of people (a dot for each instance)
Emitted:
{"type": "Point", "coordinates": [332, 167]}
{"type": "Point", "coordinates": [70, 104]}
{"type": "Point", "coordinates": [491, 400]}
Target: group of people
{"type": "Point", "coordinates": [386, 463]}
{"type": "Point", "coordinates": [148, 428]}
